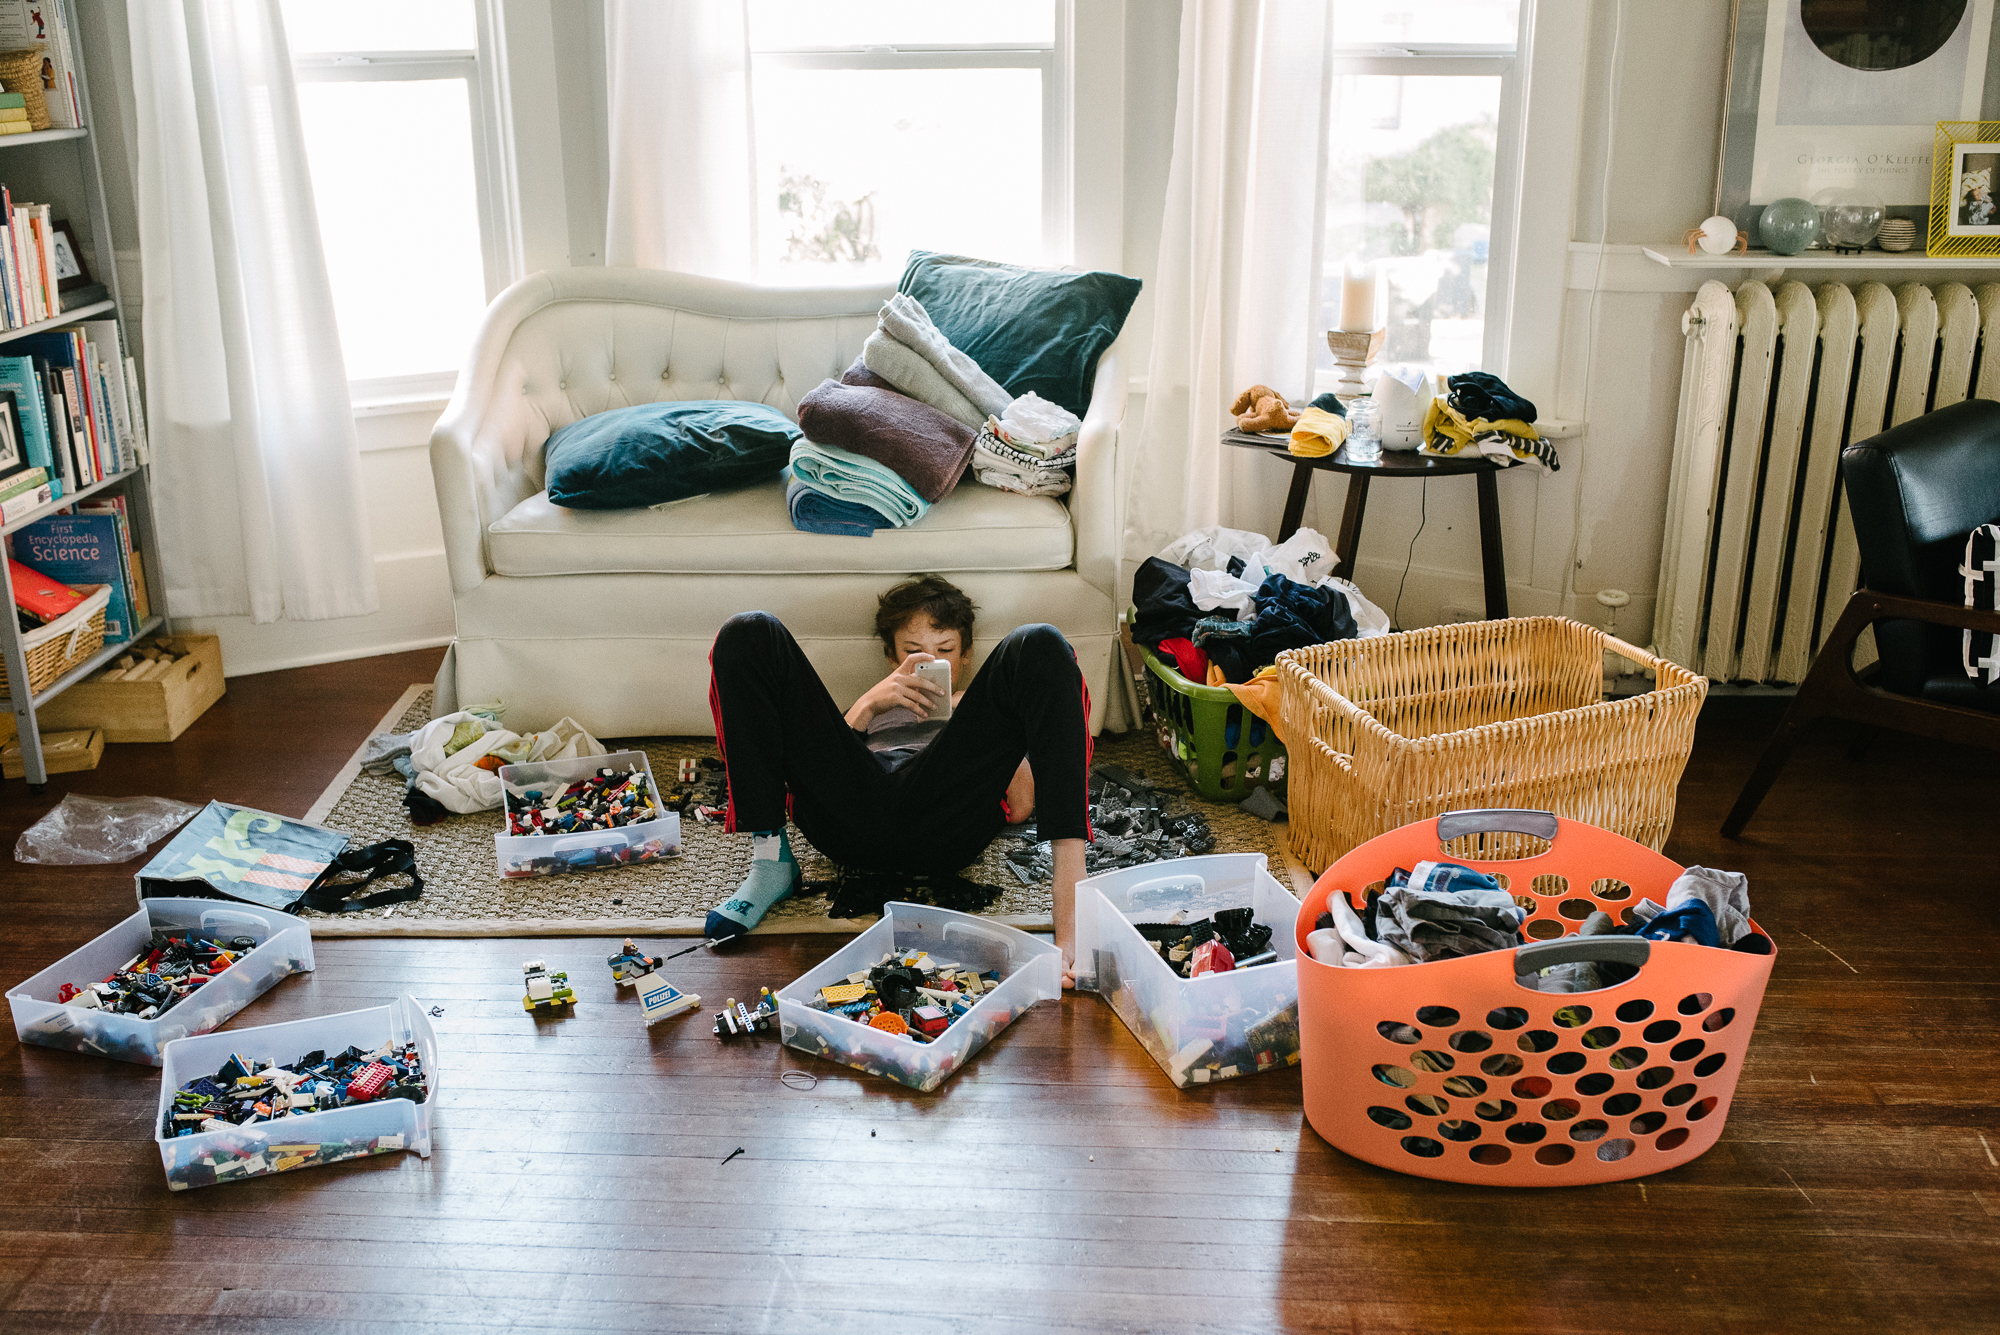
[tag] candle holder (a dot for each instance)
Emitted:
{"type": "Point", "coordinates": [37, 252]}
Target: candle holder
{"type": "Point", "coordinates": [1353, 353]}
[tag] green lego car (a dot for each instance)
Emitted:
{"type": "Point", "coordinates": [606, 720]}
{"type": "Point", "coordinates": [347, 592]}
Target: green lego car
{"type": "Point", "coordinates": [546, 990]}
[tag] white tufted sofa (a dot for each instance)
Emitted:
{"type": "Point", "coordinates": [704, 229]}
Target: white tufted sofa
{"type": "Point", "coordinates": [607, 616]}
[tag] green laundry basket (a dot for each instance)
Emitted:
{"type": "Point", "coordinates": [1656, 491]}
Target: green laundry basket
{"type": "Point", "coordinates": [1226, 751]}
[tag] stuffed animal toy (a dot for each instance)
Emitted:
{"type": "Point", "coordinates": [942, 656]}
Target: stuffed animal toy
{"type": "Point", "coordinates": [1261, 408]}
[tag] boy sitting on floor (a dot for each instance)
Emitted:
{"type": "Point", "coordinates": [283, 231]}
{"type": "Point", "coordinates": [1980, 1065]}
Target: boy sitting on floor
{"type": "Point", "coordinates": [885, 786]}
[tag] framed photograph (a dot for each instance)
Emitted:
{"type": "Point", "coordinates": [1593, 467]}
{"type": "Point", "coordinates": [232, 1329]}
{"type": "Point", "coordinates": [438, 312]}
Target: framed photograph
{"type": "Point", "coordinates": [1847, 94]}
{"type": "Point", "coordinates": [70, 272]}
{"type": "Point", "coordinates": [1965, 189]}
{"type": "Point", "coordinates": [13, 454]}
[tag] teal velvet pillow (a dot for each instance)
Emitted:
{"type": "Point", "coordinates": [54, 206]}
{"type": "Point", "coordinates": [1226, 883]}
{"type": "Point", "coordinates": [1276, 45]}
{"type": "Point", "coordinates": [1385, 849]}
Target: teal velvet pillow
{"type": "Point", "coordinates": [1033, 330]}
{"type": "Point", "coordinates": [655, 452]}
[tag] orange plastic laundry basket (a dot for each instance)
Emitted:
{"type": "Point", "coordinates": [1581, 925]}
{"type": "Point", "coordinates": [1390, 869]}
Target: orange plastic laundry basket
{"type": "Point", "coordinates": [1455, 1070]}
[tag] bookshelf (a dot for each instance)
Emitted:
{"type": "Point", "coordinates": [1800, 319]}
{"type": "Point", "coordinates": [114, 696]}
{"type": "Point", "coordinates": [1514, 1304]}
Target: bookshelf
{"type": "Point", "coordinates": [60, 167]}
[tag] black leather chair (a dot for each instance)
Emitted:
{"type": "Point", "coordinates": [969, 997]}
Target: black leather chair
{"type": "Point", "coordinates": [1915, 492]}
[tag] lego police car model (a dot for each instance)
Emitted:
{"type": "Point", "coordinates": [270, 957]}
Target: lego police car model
{"type": "Point", "coordinates": [546, 990]}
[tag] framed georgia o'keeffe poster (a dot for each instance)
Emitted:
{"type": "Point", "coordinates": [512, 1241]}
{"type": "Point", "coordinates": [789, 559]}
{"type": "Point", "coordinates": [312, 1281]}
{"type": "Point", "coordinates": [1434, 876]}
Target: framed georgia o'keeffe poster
{"type": "Point", "coordinates": [1847, 94]}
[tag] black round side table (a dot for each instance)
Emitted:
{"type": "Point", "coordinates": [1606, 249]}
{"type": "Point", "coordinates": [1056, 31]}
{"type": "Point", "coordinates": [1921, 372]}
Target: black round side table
{"type": "Point", "coordinates": [1392, 464]}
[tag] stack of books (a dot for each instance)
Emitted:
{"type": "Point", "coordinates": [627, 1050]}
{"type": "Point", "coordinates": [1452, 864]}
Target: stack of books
{"type": "Point", "coordinates": [75, 393]}
{"type": "Point", "coordinates": [14, 114]}
{"type": "Point", "coordinates": [91, 544]}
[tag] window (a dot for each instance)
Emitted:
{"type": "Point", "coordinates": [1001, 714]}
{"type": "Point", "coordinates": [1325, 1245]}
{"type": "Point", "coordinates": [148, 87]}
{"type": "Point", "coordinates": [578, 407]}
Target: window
{"type": "Point", "coordinates": [887, 125]}
{"type": "Point", "coordinates": [1423, 99]}
{"type": "Point", "coordinates": [388, 100]}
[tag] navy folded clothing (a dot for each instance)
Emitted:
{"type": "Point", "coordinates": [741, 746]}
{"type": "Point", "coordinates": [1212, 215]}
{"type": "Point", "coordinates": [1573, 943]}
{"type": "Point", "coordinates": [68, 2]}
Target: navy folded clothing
{"type": "Point", "coordinates": [921, 445]}
{"type": "Point", "coordinates": [1481, 394]}
{"type": "Point", "coordinates": [816, 512]}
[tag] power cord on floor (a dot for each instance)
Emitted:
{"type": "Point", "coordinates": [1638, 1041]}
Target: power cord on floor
{"type": "Point", "coordinates": [1423, 517]}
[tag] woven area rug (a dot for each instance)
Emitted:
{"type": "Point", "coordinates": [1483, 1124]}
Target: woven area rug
{"type": "Point", "coordinates": [464, 894]}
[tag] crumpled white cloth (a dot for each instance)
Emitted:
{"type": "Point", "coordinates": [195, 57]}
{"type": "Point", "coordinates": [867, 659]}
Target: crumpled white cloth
{"type": "Point", "coordinates": [1362, 952]}
{"type": "Point", "coordinates": [456, 781]}
{"type": "Point", "coordinates": [1727, 894]}
{"type": "Point", "coordinates": [1213, 590]}
{"type": "Point", "coordinates": [1306, 557]}
{"type": "Point", "coordinates": [1041, 428]}
{"type": "Point", "coordinates": [904, 319]}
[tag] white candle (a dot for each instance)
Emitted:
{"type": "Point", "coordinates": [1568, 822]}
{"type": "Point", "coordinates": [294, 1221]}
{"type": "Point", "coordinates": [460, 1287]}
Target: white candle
{"type": "Point", "coordinates": [1357, 298]}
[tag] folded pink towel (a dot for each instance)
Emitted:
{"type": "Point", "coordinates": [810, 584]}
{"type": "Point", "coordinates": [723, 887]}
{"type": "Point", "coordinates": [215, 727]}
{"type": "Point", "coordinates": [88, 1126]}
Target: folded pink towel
{"type": "Point", "coordinates": [924, 447]}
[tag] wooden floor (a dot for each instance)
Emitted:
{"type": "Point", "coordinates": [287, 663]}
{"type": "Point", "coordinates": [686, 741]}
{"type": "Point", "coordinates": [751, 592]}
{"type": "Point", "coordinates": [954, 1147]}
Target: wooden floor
{"type": "Point", "coordinates": [1058, 1183]}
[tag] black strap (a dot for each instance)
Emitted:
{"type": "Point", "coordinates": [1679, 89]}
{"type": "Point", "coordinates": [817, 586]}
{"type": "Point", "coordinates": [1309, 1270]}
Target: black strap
{"type": "Point", "coordinates": [331, 892]}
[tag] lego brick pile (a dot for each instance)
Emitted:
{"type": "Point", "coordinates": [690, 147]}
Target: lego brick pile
{"type": "Point", "coordinates": [1135, 822]}
{"type": "Point", "coordinates": [172, 967]}
{"type": "Point", "coordinates": [610, 799]}
{"type": "Point", "coordinates": [1227, 941]}
{"type": "Point", "coordinates": [909, 996]}
{"type": "Point", "coordinates": [244, 1093]}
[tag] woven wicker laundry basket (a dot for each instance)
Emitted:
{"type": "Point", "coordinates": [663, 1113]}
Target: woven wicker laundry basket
{"type": "Point", "coordinates": [1484, 714]}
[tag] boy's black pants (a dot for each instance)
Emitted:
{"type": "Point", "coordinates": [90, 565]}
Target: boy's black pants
{"type": "Point", "coordinates": [781, 733]}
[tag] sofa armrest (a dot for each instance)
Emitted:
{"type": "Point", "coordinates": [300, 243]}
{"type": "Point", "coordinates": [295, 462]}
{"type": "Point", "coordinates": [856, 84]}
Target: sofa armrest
{"type": "Point", "coordinates": [1095, 503]}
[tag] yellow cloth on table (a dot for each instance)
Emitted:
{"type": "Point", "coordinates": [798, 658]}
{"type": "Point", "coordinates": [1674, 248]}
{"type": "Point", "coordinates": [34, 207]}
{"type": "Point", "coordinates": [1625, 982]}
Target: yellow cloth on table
{"type": "Point", "coordinates": [1318, 433]}
{"type": "Point", "coordinates": [1260, 695]}
{"type": "Point", "coordinates": [1447, 431]}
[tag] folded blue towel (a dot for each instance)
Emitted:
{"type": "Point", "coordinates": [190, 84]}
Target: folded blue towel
{"type": "Point", "coordinates": [816, 512]}
{"type": "Point", "coordinates": [847, 476]}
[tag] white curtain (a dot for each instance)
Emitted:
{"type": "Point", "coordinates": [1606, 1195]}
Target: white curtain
{"type": "Point", "coordinates": [1236, 296]}
{"type": "Point", "coordinates": [683, 160]}
{"type": "Point", "coordinates": [256, 476]}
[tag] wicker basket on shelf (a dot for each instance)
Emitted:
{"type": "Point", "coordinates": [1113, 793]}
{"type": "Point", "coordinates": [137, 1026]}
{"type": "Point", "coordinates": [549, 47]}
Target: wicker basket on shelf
{"type": "Point", "coordinates": [21, 72]}
{"type": "Point", "coordinates": [58, 647]}
{"type": "Point", "coordinates": [1395, 729]}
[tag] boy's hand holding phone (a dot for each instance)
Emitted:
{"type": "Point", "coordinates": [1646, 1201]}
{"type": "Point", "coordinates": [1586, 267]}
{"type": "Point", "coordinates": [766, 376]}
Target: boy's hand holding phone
{"type": "Point", "coordinates": [909, 687]}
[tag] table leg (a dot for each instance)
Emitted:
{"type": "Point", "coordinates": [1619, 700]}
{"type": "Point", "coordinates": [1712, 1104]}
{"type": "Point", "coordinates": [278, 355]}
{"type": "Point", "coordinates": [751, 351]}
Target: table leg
{"type": "Point", "coordinates": [1491, 555]}
{"type": "Point", "coordinates": [1348, 545]}
{"type": "Point", "coordinates": [1295, 500]}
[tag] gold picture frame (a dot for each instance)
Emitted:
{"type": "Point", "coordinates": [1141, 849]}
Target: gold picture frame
{"type": "Point", "coordinates": [1965, 189]}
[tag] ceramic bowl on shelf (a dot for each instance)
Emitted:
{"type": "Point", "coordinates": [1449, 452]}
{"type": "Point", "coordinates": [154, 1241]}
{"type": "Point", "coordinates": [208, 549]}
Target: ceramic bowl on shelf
{"type": "Point", "coordinates": [1897, 234]}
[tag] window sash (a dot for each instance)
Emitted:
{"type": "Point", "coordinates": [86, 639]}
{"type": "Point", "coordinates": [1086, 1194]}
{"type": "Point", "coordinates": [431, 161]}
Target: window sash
{"type": "Point", "coordinates": [1054, 63]}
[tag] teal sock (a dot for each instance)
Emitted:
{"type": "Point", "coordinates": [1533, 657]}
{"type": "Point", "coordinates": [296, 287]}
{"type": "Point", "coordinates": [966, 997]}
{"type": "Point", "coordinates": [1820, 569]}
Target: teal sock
{"type": "Point", "coordinates": [773, 874]}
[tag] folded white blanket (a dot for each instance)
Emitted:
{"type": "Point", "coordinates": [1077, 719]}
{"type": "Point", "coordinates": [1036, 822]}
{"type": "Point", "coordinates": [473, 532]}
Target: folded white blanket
{"type": "Point", "coordinates": [904, 319]}
{"type": "Point", "coordinates": [912, 373]}
{"type": "Point", "coordinates": [1034, 424]}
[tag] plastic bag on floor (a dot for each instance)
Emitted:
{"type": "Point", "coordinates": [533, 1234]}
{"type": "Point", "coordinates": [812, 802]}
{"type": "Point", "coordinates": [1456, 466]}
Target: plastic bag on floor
{"type": "Point", "coordinates": [100, 829]}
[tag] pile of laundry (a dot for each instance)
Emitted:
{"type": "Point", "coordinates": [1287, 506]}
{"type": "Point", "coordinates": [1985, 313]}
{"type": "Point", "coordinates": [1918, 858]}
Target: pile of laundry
{"type": "Point", "coordinates": [901, 427]}
{"type": "Point", "coordinates": [1482, 415]}
{"type": "Point", "coordinates": [452, 764]}
{"type": "Point", "coordinates": [1441, 910]}
{"type": "Point", "coordinates": [1221, 604]}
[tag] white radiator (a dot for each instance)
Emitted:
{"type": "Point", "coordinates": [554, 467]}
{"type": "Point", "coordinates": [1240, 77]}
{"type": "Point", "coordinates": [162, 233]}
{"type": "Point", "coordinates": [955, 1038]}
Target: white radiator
{"type": "Point", "coordinates": [1759, 551]}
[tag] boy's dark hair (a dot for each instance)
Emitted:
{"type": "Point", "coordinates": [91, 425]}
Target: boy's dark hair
{"type": "Point", "coordinates": [936, 597]}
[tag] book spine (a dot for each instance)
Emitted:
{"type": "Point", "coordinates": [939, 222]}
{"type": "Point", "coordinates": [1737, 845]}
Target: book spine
{"type": "Point", "coordinates": [79, 425]}
{"type": "Point", "coordinates": [64, 112]}
{"type": "Point", "coordinates": [31, 270]}
{"type": "Point", "coordinates": [96, 420]}
{"type": "Point", "coordinates": [7, 298]}
{"type": "Point", "coordinates": [26, 503]}
{"type": "Point", "coordinates": [45, 217]}
{"type": "Point", "coordinates": [100, 395]}
{"type": "Point", "coordinates": [135, 403]}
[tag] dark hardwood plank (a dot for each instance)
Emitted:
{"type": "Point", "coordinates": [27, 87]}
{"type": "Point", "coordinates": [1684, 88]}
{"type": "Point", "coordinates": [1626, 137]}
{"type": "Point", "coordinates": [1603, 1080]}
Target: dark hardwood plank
{"type": "Point", "coordinates": [1059, 1183]}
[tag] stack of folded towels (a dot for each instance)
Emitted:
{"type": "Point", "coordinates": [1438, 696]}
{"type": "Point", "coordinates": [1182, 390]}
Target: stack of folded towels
{"type": "Point", "coordinates": [900, 427]}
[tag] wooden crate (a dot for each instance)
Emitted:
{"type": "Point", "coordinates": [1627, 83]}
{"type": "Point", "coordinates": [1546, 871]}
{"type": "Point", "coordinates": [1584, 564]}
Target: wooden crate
{"type": "Point", "coordinates": [62, 752]}
{"type": "Point", "coordinates": [145, 711]}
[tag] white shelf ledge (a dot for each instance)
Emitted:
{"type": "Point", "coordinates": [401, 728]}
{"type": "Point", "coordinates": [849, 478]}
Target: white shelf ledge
{"type": "Point", "coordinates": [1676, 257]}
{"type": "Point", "coordinates": [40, 137]}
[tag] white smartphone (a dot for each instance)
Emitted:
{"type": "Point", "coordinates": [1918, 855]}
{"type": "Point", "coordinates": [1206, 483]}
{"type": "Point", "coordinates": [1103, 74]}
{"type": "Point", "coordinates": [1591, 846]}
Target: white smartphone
{"type": "Point", "coordinates": [938, 673]}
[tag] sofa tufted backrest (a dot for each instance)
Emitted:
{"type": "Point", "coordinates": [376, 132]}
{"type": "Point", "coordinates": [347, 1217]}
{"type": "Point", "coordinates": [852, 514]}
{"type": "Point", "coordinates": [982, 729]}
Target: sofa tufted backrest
{"type": "Point", "coordinates": [562, 345]}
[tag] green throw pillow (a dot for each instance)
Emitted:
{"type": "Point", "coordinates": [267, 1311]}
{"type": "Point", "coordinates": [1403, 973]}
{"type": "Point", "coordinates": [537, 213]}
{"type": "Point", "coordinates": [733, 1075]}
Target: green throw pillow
{"type": "Point", "coordinates": [656, 452]}
{"type": "Point", "coordinates": [1033, 330]}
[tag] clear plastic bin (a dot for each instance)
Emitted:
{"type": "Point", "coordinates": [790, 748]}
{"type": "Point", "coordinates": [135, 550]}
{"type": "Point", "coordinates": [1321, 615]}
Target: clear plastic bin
{"type": "Point", "coordinates": [284, 948]}
{"type": "Point", "coordinates": [1030, 971]}
{"type": "Point", "coordinates": [386, 1126]}
{"type": "Point", "coordinates": [556, 854]}
{"type": "Point", "coordinates": [1215, 1027]}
